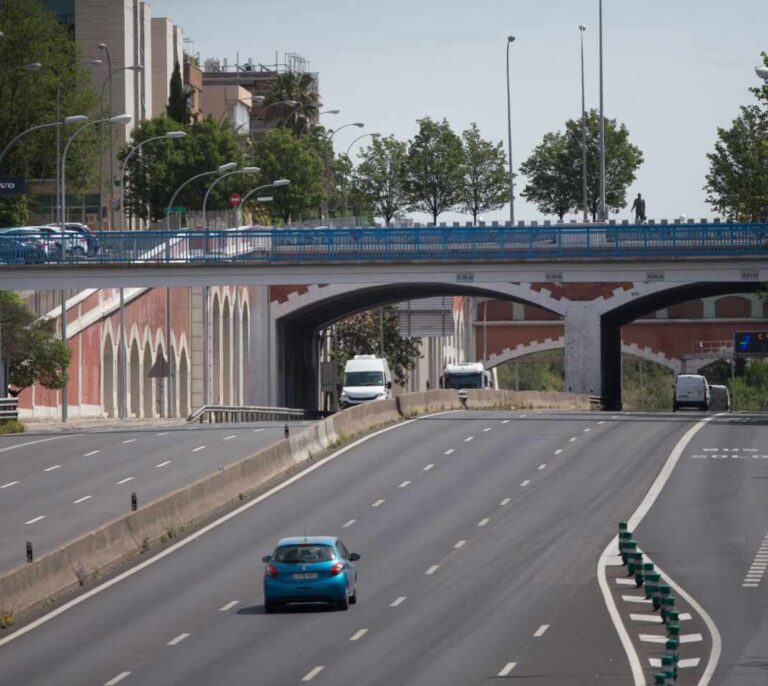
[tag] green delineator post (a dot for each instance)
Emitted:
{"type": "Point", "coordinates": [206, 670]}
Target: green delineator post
{"type": "Point", "coordinates": [668, 667]}
{"type": "Point", "coordinates": [664, 591]}
{"type": "Point", "coordinates": [669, 605]}
{"type": "Point", "coordinates": [673, 630]}
{"type": "Point", "coordinates": [647, 570]}
{"type": "Point", "coordinates": [651, 582]}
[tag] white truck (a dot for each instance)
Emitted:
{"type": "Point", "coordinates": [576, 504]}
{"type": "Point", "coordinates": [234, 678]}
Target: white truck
{"type": "Point", "coordinates": [466, 375]}
{"type": "Point", "coordinates": [366, 378]}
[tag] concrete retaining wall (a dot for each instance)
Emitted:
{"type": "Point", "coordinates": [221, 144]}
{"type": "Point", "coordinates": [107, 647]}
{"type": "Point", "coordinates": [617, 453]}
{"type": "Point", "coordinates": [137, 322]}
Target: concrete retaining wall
{"type": "Point", "coordinates": [32, 583]}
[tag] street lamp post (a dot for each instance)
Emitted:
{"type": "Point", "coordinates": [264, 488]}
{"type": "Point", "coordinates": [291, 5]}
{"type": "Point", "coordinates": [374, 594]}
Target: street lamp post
{"type": "Point", "coordinates": [244, 170]}
{"type": "Point", "coordinates": [582, 29]}
{"type": "Point", "coordinates": [510, 40]}
{"type": "Point", "coordinates": [171, 135]}
{"type": "Point", "coordinates": [275, 184]}
{"type": "Point", "coordinates": [603, 214]}
{"type": "Point", "coordinates": [122, 119]}
{"type": "Point", "coordinates": [359, 125]}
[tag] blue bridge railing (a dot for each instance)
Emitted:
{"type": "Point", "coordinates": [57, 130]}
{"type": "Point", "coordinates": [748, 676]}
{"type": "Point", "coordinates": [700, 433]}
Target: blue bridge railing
{"type": "Point", "coordinates": [255, 245]}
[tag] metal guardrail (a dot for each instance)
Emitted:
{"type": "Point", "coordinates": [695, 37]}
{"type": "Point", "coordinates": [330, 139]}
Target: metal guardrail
{"type": "Point", "coordinates": [255, 245]}
{"type": "Point", "coordinates": [222, 414]}
{"type": "Point", "coordinates": [9, 408]}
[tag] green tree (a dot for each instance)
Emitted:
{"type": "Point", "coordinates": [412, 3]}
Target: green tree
{"type": "Point", "coordinates": [737, 182]}
{"type": "Point", "coordinates": [302, 89]}
{"type": "Point", "coordinates": [554, 170]}
{"type": "Point", "coordinates": [160, 167]}
{"type": "Point", "coordinates": [362, 334]}
{"type": "Point", "coordinates": [434, 174]}
{"type": "Point", "coordinates": [282, 155]}
{"type": "Point", "coordinates": [31, 349]}
{"type": "Point", "coordinates": [177, 99]}
{"type": "Point", "coordinates": [380, 178]}
{"type": "Point", "coordinates": [485, 177]}
{"type": "Point", "coordinates": [13, 211]}
{"type": "Point", "coordinates": [29, 98]}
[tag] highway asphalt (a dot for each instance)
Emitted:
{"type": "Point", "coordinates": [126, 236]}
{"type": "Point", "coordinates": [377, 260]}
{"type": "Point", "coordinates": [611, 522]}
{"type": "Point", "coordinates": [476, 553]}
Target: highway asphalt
{"type": "Point", "coordinates": [479, 534]}
{"type": "Point", "coordinates": [54, 487]}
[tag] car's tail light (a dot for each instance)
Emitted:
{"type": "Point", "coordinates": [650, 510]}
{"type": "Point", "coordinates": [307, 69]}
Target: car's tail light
{"type": "Point", "coordinates": [272, 570]}
{"type": "Point", "coordinates": [338, 568]}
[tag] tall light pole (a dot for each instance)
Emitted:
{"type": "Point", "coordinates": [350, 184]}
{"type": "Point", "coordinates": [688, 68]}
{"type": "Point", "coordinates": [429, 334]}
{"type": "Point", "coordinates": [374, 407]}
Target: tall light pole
{"type": "Point", "coordinates": [277, 183]}
{"type": "Point", "coordinates": [121, 119]}
{"type": "Point", "coordinates": [244, 170]}
{"type": "Point", "coordinates": [603, 214]}
{"type": "Point", "coordinates": [510, 40]}
{"type": "Point", "coordinates": [582, 29]}
{"type": "Point", "coordinates": [170, 135]}
{"type": "Point", "coordinates": [359, 125]}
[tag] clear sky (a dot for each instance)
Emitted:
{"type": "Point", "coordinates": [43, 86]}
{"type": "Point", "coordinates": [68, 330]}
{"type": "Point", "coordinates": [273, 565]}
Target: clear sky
{"type": "Point", "coordinates": [675, 70]}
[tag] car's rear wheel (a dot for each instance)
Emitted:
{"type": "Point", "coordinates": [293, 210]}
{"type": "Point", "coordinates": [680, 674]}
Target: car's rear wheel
{"type": "Point", "coordinates": [353, 597]}
{"type": "Point", "coordinates": [343, 604]}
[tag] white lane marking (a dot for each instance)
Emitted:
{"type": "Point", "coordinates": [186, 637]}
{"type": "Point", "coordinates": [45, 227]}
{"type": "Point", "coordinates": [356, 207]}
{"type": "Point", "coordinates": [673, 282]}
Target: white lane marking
{"type": "Point", "coordinates": [683, 616]}
{"type": "Point", "coordinates": [202, 531]}
{"type": "Point", "coordinates": [379, 502]}
{"type": "Point", "coordinates": [39, 440]}
{"type": "Point", "coordinates": [636, 599]}
{"type": "Point", "coordinates": [312, 673]}
{"type": "Point", "coordinates": [117, 679]}
{"type": "Point", "coordinates": [432, 569]}
{"type": "Point", "coordinates": [228, 606]}
{"type": "Point", "coordinates": [358, 635]}
{"type": "Point", "coordinates": [9, 484]}
{"type": "Point", "coordinates": [525, 483]}
{"type": "Point", "coordinates": [648, 619]}
{"type": "Point", "coordinates": [487, 429]}
{"type": "Point", "coordinates": [198, 449]}
{"type": "Point", "coordinates": [541, 630]}
{"type": "Point", "coordinates": [460, 544]}
{"type": "Point", "coordinates": [82, 500]}
{"type": "Point", "coordinates": [130, 440]}
{"type": "Point", "coordinates": [163, 464]}
{"type": "Point", "coordinates": [428, 467]}
{"type": "Point", "coordinates": [573, 438]}
{"type": "Point", "coordinates": [124, 481]}
{"type": "Point", "coordinates": [602, 421]}
{"type": "Point", "coordinates": [468, 439]}
{"type": "Point", "coordinates": [162, 433]}
{"type": "Point", "coordinates": [177, 640]}
{"type": "Point", "coordinates": [348, 524]}
{"type": "Point", "coordinates": [653, 638]}
{"type": "Point", "coordinates": [625, 582]}
{"type": "Point", "coordinates": [688, 662]}
{"type": "Point", "coordinates": [522, 416]}
{"type": "Point", "coordinates": [691, 638]}
{"type": "Point", "coordinates": [558, 451]}
{"type": "Point", "coordinates": [229, 438]}
{"type": "Point", "coordinates": [586, 431]}
{"type": "Point", "coordinates": [507, 668]}
{"type": "Point", "coordinates": [483, 521]}
{"type": "Point", "coordinates": [93, 452]}
{"type": "Point", "coordinates": [404, 484]}
{"type": "Point", "coordinates": [541, 466]}
{"type": "Point", "coordinates": [52, 468]}
{"type": "Point", "coordinates": [36, 519]}
{"type": "Point", "coordinates": [709, 450]}
{"type": "Point", "coordinates": [634, 521]}
{"type": "Point", "coordinates": [257, 430]}
{"type": "Point", "coordinates": [615, 416]}
{"type": "Point", "coordinates": [397, 601]}
{"type": "Point", "coordinates": [750, 450]}
{"type": "Point", "coordinates": [505, 421]}
{"type": "Point", "coordinates": [449, 451]}
{"type": "Point", "coordinates": [505, 502]}
{"type": "Point", "coordinates": [750, 585]}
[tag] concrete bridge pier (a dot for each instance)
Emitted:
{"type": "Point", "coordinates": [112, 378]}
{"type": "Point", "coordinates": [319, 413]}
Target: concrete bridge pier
{"type": "Point", "coordinates": [260, 370]}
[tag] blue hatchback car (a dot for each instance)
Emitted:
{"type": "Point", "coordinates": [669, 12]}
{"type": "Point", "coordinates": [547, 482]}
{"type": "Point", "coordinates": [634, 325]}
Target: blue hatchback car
{"type": "Point", "coordinates": [310, 569]}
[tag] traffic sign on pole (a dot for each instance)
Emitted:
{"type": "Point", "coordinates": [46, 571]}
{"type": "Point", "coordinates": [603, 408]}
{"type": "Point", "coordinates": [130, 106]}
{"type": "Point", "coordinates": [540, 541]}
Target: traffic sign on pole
{"type": "Point", "coordinates": [234, 199]}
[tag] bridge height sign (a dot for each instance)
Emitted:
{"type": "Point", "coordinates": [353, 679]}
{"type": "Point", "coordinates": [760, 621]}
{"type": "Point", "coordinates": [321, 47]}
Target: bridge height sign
{"type": "Point", "coordinates": [750, 343]}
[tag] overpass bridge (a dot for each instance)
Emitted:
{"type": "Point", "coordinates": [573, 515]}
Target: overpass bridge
{"type": "Point", "coordinates": [596, 277]}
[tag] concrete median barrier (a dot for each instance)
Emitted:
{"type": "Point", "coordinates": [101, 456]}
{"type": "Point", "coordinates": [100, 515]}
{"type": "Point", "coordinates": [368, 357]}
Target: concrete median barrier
{"type": "Point", "coordinates": [125, 537]}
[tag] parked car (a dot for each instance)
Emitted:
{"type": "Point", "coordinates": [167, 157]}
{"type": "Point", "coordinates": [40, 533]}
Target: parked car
{"type": "Point", "coordinates": [310, 569]}
{"type": "Point", "coordinates": [87, 232]}
{"type": "Point", "coordinates": [20, 244]}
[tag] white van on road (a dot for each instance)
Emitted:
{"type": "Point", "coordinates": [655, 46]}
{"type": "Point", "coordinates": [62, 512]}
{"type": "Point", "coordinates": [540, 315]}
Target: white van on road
{"type": "Point", "coordinates": [691, 390]}
{"type": "Point", "coordinates": [366, 378]}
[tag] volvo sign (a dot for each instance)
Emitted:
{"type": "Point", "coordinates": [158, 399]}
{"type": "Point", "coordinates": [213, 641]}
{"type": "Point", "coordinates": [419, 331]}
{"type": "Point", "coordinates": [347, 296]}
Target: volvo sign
{"type": "Point", "coordinates": [12, 185]}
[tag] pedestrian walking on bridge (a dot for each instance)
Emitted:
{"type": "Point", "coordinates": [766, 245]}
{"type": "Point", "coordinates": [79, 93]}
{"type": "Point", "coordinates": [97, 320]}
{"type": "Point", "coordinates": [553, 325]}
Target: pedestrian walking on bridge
{"type": "Point", "coordinates": [638, 207]}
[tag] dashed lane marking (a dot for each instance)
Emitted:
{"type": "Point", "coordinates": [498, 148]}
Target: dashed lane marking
{"type": "Point", "coordinates": [379, 502]}
{"type": "Point", "coordinates": [460, 544]}
{"type": "Point", "coordinates": [404, 484]}
{"type": "Point", "coordinates": [468, 439]}
{"type": "Point", "coordinates": [358, 635]}
{"type": "Point", "coordinates": [449, 451]}
{"type": "Point", "coordinates": [505, 421]}
{"type": "Point", "coordinates": [36, 519]}
{"type": "Point", "coordinates": [397, 601]}
{"type": "Point", "coordinates": [525, 483]}
{"type": "Point", "coordinates": [93, 452]}
{"type": "Point", "coordinates": [541, 466]}
{"type": "Point", "coordinates": [625, 582]}
{"type": "Point", "coordinates": [558, 451]}
{"type": "Point", "coordinates": [124, 481]}
{"type": "Point", "coordinates": [129, 440]}
{"type": "Point", "coordinates": [117, 679]}
{"type": "Point", "coordinates": [348, 524]}
{"type": "Point", "coordinates": [573, 438]}
{"type": "Point", "coordinates": [9, 484]}
{"type": "Point", "coordinates": [505, 502]}
{"type": "Point", "coordinates": [52, 468]}
{"type": "Point", "coordinates": [177, 640]}
{"type": "Point", "coordinates": [541, 631]}
{"type": "Point", "coordinates": [163, 464]}
{"type": "Point", "coordinates": [487, 429]}
{"type": "Point", "coordinates": [523, 416]}
{"type": "Point", "coordinates": [432, 569]}
{"type": "Point", "coordinates": [602, 421]}
{"type": "Point", "coordinates": [312, 673]}
{"type": "Point", "coordinates": [587, 430]}
{"type": "Point", "coordinates": [162, 433]}
{"type": "Point", "coordinates": [507, 668]}
{"type": "Point", "coordinates": [483, 521]}
{"type": "Point", "coordinates": [229, 438]}
{"type": "Point", "coordinates": [198, 449]}
{"type": "Point", "coordinates": [257, 430]}
{"type": "Point", "coordinates": [428, 467]}
{"type": "Point", "coordinates": [229, 605]}
{"type": "Point", "coordinates": [82, 500]}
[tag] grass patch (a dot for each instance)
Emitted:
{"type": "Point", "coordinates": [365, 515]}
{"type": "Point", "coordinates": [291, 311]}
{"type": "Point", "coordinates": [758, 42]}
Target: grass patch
{"type": "Point", "coordinates": [11, 426]}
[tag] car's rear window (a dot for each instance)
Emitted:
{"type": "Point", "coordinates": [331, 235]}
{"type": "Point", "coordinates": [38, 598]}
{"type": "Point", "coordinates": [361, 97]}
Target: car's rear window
{"type": "Point", "coordinates": [304, 553]}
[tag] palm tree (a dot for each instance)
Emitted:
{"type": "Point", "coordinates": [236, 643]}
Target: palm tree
{"type": "Point", "coordinates": [299, 87]}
